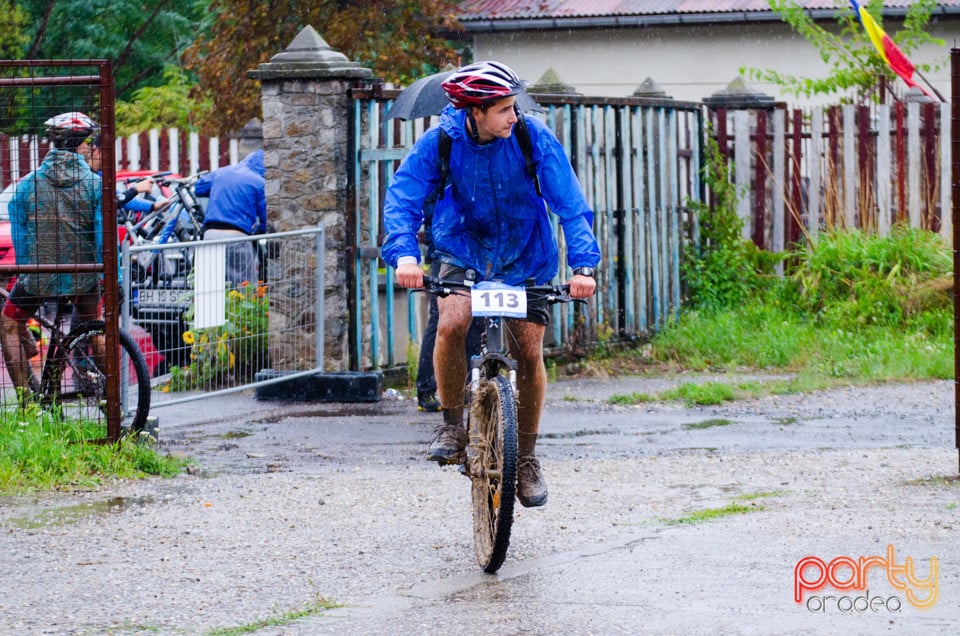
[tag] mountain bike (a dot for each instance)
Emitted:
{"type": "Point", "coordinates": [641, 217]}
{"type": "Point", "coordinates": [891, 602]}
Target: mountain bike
{"type": "Point", "coordinates": [72, 379]}
{"type": "Point", "coordinates": [491, 393]}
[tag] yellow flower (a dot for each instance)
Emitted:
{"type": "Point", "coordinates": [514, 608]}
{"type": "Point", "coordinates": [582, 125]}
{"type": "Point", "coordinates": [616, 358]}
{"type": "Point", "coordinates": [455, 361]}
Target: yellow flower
{"type": "Point", "coordinates": [188, 337]}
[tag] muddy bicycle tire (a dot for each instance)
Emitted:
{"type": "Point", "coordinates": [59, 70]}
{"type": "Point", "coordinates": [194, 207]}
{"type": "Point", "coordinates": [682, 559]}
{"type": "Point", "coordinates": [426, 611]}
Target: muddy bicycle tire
{"type": "Point", "coordinates": [71, 378]}
{"type": "Point", "coordinates": [492, 459]}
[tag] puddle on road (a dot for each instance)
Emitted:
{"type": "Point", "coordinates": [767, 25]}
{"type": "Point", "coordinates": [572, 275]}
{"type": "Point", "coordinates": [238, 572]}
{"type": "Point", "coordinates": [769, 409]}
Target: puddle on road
{"type": "Point", "coordinates": [353, 410]}
{"type": "Point", "coordinates": [66, 515]}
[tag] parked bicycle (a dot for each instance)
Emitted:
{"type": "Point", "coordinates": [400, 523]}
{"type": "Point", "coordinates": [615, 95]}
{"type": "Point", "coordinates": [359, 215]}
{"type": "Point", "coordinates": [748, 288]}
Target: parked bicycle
{"type": "Point", "coordinates": [159, 280]}
{"type": "Point", "coordinates": [491, 393]}
{"type": "Point", "coordinates": [72, 376]}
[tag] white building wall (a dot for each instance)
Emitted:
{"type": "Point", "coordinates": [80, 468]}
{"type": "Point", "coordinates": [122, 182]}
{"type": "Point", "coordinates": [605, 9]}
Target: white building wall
{"type": "Point", "coordinates": [689, 63]}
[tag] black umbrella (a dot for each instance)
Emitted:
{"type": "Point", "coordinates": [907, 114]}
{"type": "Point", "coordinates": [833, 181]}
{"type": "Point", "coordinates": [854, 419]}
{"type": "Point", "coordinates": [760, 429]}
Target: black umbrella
{"type": "Point", "coordinates": [426, 97]}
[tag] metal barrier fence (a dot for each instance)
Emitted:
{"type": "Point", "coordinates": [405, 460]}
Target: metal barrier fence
{"type": "Point", "coordinates": [202, 335]}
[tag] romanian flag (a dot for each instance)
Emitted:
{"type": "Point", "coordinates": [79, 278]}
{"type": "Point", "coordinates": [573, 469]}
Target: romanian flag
{"type": "Point", "coordinates": [889, 51]}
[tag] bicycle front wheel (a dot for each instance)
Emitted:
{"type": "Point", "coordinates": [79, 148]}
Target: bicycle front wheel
{"type": "Point", "coordinates": [492, 466]}
{"type": "Point", "coordinates": [74, 377]}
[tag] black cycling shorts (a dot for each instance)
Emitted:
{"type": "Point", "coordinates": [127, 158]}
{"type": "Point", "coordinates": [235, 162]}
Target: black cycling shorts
{"type": "Point", "coordinates": [538, 309]}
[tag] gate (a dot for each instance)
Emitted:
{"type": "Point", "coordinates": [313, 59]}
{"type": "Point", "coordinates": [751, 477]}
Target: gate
{"type": "Point", "coordinates": [210, 337]}
{"type": "Point", "coordinates": [638, 161]}
{"type": "Point", "coordinates": [31, 91]}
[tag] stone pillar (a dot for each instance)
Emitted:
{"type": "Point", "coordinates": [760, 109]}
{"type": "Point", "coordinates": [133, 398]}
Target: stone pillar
{"type": "Point", "coordinates": [306, 115]}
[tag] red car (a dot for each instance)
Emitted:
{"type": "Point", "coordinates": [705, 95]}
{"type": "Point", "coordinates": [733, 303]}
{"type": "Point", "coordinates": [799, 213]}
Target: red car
{"type": "Point", "coordinates": [6, 241]}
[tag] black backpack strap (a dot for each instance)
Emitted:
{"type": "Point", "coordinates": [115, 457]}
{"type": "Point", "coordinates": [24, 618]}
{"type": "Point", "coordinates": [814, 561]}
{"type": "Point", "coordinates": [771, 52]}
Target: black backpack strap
{"type": "Point", "coordinates": [443, 152]}
{"type": "Point", "coordinates": [526, 147]}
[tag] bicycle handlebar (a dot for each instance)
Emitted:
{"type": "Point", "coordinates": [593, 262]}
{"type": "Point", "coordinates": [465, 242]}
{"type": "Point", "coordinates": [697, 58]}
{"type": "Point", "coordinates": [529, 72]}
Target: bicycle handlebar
{"type": "Point", "coordinates": [155, 176]}
{"type": "Point", "coordinates": [552, 293]}
{"type": "Point", "coordinates": [189, 181]}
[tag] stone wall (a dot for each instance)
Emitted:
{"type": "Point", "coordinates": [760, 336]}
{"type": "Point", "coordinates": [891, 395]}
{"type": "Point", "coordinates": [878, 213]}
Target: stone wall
{"type": "Point", "coordinates": [305, 138]}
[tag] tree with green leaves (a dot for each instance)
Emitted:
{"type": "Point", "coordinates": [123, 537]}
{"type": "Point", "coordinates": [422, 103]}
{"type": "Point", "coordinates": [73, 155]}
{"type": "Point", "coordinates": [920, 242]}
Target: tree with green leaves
{"type": "Point", "coordinates": [139, 37]}
{"type": "Point", "coordinates": [855, 65]}
{"type": "Point", "coordinates": [143, 40]}
{"type": "Point", "coordinates": [399, 40]}
{"type": "Point", "coordinates": [12, 35]}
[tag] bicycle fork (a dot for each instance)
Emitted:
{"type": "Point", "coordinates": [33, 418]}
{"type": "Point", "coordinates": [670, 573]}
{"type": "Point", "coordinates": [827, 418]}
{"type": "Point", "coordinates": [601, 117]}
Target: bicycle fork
{"type": "Point", "coordinates": [495, 347]}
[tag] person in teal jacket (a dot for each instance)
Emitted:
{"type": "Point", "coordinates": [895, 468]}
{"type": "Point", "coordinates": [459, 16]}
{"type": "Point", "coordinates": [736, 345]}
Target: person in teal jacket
{"type": "Point", "coordinates": [56, 216]}
{"type": "Point", "coordinates": [490, 219]}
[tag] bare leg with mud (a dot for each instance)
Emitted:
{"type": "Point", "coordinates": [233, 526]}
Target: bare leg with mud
{"type": "Point", "coordinates": [450, 366]}
{"type": "Point", "coordinates": [526, 346]}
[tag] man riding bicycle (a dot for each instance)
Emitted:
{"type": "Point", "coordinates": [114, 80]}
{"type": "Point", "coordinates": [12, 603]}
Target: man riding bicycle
{"type": "Point", "coordinates": [55, 217]}
{"type": "Point", "coordinates": [490, 219]}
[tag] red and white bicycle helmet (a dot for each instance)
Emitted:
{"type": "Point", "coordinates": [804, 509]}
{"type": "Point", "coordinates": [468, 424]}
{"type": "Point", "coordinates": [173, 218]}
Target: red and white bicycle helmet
{"type": "Point", "coordinates": [481, 82]}
{"type": "Point", "coordinates": [72, 125]}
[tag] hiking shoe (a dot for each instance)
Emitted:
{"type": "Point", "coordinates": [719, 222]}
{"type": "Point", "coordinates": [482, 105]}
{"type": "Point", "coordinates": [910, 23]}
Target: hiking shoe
{"type": "Point", "coordinates": [449, 442]}
{"type": "Point", "coordinates": [531, 487]}
{"type": "Point", "coordinates": [428, 402]}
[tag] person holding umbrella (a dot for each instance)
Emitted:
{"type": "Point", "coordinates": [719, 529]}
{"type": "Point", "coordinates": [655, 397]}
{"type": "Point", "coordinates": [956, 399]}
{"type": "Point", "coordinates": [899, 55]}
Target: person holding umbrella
{"type": "Point", "coordinates": [490, 219]}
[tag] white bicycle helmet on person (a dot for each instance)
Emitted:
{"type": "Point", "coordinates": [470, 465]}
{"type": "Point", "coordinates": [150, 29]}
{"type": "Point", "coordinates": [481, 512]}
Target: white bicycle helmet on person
{"type": "Point", "coordinates": [69, 130]}
{"type": "Point", "coordinates": [480, 83]}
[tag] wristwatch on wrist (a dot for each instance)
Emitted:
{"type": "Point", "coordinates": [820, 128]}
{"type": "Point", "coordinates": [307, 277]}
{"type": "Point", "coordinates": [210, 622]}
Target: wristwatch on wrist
{"type": "Point", "coordinates": [583, 271]}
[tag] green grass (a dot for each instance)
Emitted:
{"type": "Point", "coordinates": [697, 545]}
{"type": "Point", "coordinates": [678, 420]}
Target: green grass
{"type": "Point", "coordinates": [733, 508]}
{"type": "Point", "coordinates": [631, 398]}
{"type": "Point", "coordinates": [711, 514]}
{"type": "Point", "coordinates": [42, 452]}
{"type": "Point", "coordinates": [313, 608]}
{"type": "Point", "coordinates": [775, 338]}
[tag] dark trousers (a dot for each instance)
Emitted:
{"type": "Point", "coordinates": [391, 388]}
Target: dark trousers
{"type": "Point", "coordinates": [426, 380]}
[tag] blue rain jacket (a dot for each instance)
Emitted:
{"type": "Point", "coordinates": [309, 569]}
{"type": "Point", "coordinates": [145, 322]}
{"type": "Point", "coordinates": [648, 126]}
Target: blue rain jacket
{"type": "Point", "coordinates": [61, 201]}
{"type": "Point", "coordinates": [490, 218]}
{"type": "Point", "coordinates": [237, 195]}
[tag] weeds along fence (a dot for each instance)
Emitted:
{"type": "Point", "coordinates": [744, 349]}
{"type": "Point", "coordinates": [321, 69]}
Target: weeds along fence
{"type": "Point", "coordinates": [801, 171]}
{"type": "Point", "coordinates": [638, 161]}
{"type": "Point", "coordinates": [208, 334]}
{"type": "Point", "coordinates": [157, 150]}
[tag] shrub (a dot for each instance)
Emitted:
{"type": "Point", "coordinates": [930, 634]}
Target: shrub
{"type": "Point", "coordinates": [231, 353]}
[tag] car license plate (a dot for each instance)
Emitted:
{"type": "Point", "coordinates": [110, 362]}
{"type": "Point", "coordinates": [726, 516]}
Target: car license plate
{"type": "Point", "coordinates": [163, 297]}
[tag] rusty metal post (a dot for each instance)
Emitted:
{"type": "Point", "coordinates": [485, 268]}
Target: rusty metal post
{"type": "Point", "coordinates": [955, 193]}
{"type": "Point", "coordinates": [111, 293]}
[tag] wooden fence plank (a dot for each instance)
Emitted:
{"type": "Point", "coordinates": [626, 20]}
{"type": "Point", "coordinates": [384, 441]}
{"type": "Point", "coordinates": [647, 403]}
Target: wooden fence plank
{"type": "Point", "coordinates": [849, 166]}
{"type": "Point", "coordinates": [815, 168]}
{"type": "Point", "coordinates": [741, 168]}
{"type": "Point", "coordinates": [779, 183]}
{"type": "Point", "coordinates": [883, 171]}
{"type": "Point", "coordinates": [946, 216]}
{"type": "Point", "coordinates": [913, 163]}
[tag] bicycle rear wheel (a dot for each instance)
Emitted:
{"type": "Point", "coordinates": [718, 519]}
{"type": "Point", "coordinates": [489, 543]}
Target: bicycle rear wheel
{"type": "Point", "coordinates": [73, 379]}
{"type": "Point", "coordinates": [492, 466]}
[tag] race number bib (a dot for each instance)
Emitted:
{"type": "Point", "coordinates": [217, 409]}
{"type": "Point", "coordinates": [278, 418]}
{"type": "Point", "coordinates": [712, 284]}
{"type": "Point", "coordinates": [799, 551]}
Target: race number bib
{"type": "Point", "coordinates": [490, 298]}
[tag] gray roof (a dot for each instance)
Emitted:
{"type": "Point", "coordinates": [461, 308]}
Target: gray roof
{"type": "Point", "coordinates": [520, 14]}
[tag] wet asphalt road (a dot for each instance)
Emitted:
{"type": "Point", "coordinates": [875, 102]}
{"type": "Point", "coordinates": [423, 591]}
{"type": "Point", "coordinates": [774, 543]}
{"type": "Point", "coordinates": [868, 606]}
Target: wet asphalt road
{"type": "Point", "coordinates": [838, 473]}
